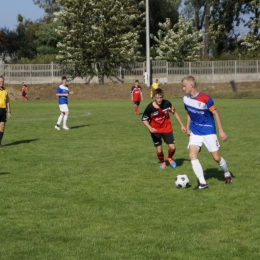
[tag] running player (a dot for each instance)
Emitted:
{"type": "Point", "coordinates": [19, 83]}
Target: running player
{"type": "Point", "coordinates": [136, 96]}
{"type": "Point", "coordinates": [157, 119]}
{"type": "Point", "coordinates": [201, 129]}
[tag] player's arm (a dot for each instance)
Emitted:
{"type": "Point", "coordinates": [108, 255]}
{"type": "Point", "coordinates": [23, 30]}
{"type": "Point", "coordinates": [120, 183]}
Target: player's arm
{"type": "Point", "coordinates": [8, 107]}
{"type": "Point", "coordinates": [188, 124]}
{"type": "Point", "coordinates": [177, 117]}
{"type": "Point", "coordinates": [221, 132]}
{"type": "Point", "coordinates": [146, 119]}
{"type": "Point", "coordinates": [62, 94]}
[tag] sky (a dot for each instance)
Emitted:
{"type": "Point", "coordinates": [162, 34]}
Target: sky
{"type": "Point", "coordinates": [11, 8]}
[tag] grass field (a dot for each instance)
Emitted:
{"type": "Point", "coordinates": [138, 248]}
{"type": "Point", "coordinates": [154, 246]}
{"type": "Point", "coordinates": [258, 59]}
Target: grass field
{"type": "Point", "coordinates": [96, 191]}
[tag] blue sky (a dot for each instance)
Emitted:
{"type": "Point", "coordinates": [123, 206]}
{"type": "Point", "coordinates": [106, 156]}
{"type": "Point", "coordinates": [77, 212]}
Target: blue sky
{"type": "Point", "coordinates": [11, 8]}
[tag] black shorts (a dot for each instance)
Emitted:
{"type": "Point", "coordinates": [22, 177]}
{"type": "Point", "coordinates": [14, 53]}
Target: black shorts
{"type": "Point", "coordinates": [157, 139]}
{"type": "Point", "coordinates": [2, 114]}
{"type": "Point", "coordinates": [24, 94]}
{"type": "Point", "coordinates": [136, 103]}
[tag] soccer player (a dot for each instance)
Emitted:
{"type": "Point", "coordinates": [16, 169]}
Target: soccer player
{"type": "Point", "coordinates": [4, 107]}
{"type": "Point", "coordinates": [201, 129]}
{"type": "Point", "coordinates": [24, 92]}
{"type": "Point", "coordinates": [157, 119]}
{"type": "Point", "coordinates": [154, 86]}
{"type": "Point", "coordinates": [62, 92]}
{"type": "Point", "coordinates": [136, 96]}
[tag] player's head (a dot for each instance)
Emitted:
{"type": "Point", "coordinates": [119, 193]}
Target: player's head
{"type": "Point", "coordinates": [2, 81]}
{"type": "Point", "coordinates": [137, 82]}
{"type": "Point", "coordinates": [158, 96]}
{"type": "Point", "coordinates": [64, 79]}
{"type": "Point", "coordinates": [188, 84]}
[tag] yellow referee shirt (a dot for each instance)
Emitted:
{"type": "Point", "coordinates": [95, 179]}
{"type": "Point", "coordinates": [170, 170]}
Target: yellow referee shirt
{"type": "Point", "coordinates": [4, 98]}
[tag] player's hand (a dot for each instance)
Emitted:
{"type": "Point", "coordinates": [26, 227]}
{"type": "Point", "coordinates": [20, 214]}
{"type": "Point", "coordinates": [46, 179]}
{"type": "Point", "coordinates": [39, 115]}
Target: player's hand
{"type": "Point", "coordinates": [223, 136]}
{"type": "Point", "coordinates": [152, 130]}
{"type": "Point", "coordinates": [71, 92]}
{"type": "Point", "coordinates": [188, 132]}
{"type": "Point", "coordinates": [183, 129]}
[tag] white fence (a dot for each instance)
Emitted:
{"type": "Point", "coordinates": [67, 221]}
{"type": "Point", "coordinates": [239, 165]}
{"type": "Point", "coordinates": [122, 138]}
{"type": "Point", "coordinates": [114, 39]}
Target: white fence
{"type": "Point", "coordinates": [166, 72]}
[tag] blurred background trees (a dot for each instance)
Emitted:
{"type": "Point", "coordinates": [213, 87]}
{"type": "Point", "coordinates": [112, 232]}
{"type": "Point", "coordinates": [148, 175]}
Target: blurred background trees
{"type": "Point", "coordinates": [114, 31]}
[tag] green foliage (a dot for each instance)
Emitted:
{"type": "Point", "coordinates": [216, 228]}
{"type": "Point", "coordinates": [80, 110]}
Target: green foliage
{"type": "Point", "coordinates": [96, 191]}
{"type": "Point", "coordinates": [39, 59]}
{"type": "Point", "coordinates": [180, 42]}
{"type": "Point", "coordinates": [47, 38]}
{"type": "Point", "coordinates": [98, 32]}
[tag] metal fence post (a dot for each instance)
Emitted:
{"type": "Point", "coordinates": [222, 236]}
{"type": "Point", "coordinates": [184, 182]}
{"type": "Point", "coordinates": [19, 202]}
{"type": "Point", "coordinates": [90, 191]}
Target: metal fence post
{"type": "Point", "coordinates": [52, 71]}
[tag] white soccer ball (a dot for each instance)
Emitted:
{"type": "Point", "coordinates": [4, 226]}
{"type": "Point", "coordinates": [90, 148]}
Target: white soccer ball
{"type": "Point", "coordinates": [182, 181]}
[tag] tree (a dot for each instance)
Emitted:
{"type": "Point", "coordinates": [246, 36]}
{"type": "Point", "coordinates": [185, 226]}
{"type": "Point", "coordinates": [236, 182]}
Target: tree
{"type": "Point", "coordinates": [251, 41]}
{"type": "Point", "coordinates": [181, 42]}
{"type": "Point", "coordinates": [47, 38]}
{"type": "Point", "coordinates": [49, 6]}
{"type": "Point", "coordinates": [26, 36]}
{"type": "Point", "coordinates": [100, 32]}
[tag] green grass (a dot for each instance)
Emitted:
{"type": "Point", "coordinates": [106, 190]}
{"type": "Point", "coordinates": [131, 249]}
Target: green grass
{"type": "Point", "coordinates": [96, 191]}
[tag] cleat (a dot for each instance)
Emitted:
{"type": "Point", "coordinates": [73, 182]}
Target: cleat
{"type": "Point", "coordinates": [56, 127]}
{"type": "Point", "coordinates": [172, 163]}
{"type": "Point", "coordinates": [65, 128]}
{"type": "Point", "coordinates": [201, 186]}
{"type": "Point", "coordinates": [163, 166]}
{"type": "Point", "coordinates": [228, 180]}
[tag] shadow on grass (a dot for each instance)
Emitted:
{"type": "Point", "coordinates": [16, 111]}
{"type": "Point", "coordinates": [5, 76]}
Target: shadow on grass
{"type": "Point", "coordinates": [22, 142]}
{"type": "Point", "coordinates": [4, 173]}
{"type": "Point", "coordinates": [215, 173]}
{"type": "Point", "coordinates": [77, 126]}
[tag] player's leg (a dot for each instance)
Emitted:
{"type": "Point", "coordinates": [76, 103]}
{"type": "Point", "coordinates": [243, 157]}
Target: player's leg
{"type": "Point", "coordinates": [169, 140]}
{"type": "Point", "coordinates": [157, 141]}
{"type": "Point", "coordinates": [194, 146]}
{"type": "Point", "coordinates": [212, 144]}
{"type": "Point", "coordinates": [2, 129]}
{"type": "Point", "coordinates": [2, 123]}
{"type": "Point", "coordinates": [65, 118]}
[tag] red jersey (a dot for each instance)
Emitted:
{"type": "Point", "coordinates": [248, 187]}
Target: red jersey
{"type": "Point", "coordinates": [24, 88]}
{"type": "Point", "coordinates": [159, 118]}
{"type": "Point", "coordinates": [136, 92]}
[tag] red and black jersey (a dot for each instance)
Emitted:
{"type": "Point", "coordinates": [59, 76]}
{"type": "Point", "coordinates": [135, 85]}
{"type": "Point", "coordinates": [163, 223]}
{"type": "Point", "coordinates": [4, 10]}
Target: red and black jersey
{"type": "Point", "coordinates": [159, 118]}
{"type": "Point", "coordinates": [136, 92]}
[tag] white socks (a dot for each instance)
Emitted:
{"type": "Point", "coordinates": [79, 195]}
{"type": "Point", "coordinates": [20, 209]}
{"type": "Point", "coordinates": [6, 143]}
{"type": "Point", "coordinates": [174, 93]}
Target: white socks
{"type": "Point", "coordinates": [59, 119]}
{"type": "Point", "coordinates": [65, 118]}
{"type": "Point", "coordinates": [196, 166]}
{"type": "Point", "coordinates": [223, 166]}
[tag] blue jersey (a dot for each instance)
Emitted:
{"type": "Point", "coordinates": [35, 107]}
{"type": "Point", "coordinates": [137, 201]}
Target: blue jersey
{"type": "Point", "coordinates": [62, 90]}
{"type": "Point", "coordinates": [199, 109]}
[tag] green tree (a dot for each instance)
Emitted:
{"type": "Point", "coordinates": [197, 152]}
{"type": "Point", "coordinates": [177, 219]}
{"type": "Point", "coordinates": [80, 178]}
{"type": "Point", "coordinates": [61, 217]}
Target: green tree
{"type": "Point", "coordinates": [49, 6]}
{"type": "Point", "coordinates": [181, 42]}
{"type": "Point", "coordinates": [47, 38]}
{"type": "Point", "coordinates": [26, 36]}
{"type": "Point", "coordinates": [100, 32]}
{"type": "Point", "coordinates": [251, 41]}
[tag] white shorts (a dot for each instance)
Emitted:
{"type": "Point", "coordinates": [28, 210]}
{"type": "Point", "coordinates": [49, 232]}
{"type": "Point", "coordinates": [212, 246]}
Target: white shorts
{"type": "Point", "coordinates": [64, 108]}
{"type": "Point", "coordinates": [210, 141]}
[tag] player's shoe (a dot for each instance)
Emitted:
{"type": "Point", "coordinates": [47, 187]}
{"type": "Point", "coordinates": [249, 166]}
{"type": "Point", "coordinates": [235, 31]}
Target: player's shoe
{"type": "Point", "coordinates": [163, 166]}
{"type": "Point", "coordinates": [201, 186]}
{"type": "Point", "coordinates": [228, 179]}
{"type": "Point", "coordinates": [56, 127]}
{"type": "Point", "coordinates": [65, 128]}
{"type": "Point", "coordinates": [172, 163]}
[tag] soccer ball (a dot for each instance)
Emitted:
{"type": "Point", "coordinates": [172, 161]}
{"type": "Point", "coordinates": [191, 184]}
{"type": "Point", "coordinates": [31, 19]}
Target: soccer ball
{"type": "Point", "coordinates": [182, 181]}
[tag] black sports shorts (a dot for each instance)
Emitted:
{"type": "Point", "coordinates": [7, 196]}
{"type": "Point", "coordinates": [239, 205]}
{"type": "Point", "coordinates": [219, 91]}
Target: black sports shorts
{"type": "Point", "coordinates": [136, 103]}
{"type": "Point", "coordinates": [2, 114]}
{"type": "Point", "coordinates": [157, 139]}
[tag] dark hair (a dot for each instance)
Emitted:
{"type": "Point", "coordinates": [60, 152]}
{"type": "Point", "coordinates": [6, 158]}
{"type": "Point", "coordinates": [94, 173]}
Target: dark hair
{"type": "Point", "coordinates": [157, 91]}
{"type": "Point", "coordinates": [63, 77]}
